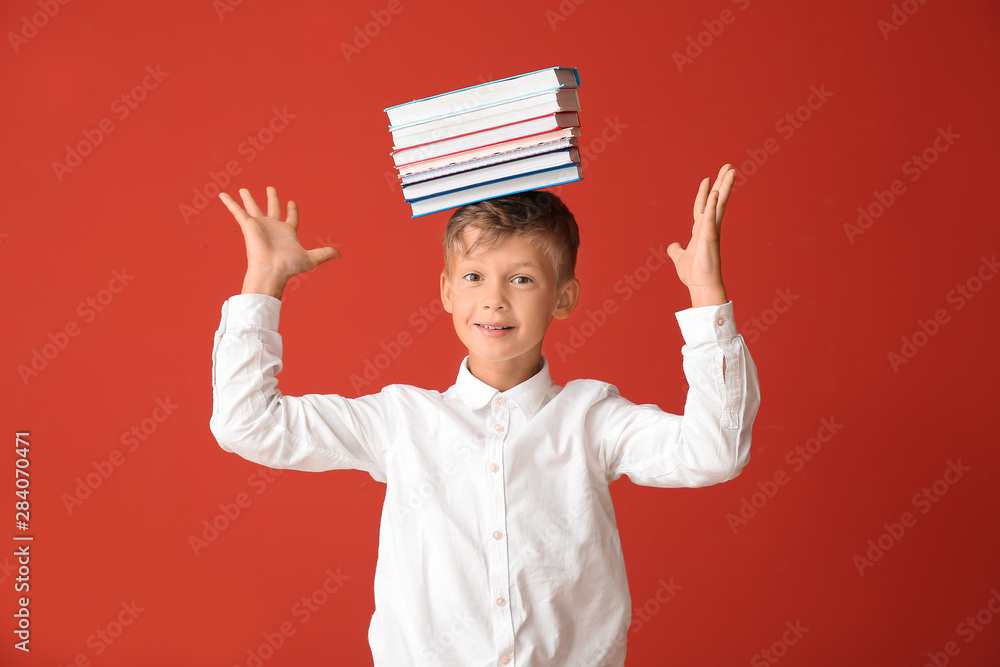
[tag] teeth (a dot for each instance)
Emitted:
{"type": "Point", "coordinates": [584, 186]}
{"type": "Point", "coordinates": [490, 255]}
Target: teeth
{"type": "Point", "coordinates": [486, 326]}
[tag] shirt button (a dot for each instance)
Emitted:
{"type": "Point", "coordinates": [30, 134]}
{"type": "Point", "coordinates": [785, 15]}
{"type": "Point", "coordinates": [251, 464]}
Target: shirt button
{"type": "Point", "coordinates": [498, 428]}
{"type": "Point", "coordinates": [494, 467]}
{"type": "Point", "coordinates": [501, 401]}
{"type": "Point", "coordinates": [504, 659]}
{"type": "Point", "coordinates": [497, 534]}
{"type": "Point", "coordinates": [720, 321]}
{"type": "Point", "coordinates": [501, 602]}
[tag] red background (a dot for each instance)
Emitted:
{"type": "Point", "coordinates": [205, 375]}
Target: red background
{"type": "Point", "coordinates": [824, 357]}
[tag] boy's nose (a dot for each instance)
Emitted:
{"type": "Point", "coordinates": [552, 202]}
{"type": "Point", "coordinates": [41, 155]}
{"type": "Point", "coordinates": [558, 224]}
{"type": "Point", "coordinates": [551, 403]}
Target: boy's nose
{"type": "Point", "coordinates": [494, 299]}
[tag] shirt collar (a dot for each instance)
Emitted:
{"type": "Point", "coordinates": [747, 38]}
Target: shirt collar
{"type": "Point", "coordinates": [527, 396]}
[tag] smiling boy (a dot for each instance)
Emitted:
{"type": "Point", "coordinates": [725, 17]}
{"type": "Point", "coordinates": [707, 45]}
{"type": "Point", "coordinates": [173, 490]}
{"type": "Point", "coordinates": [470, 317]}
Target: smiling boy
{"type": "Point", "coordinates": [498, 542]}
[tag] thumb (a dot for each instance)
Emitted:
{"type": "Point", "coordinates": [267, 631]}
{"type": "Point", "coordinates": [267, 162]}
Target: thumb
{"type": "Point", "coordinates": [674, 250]}
{"type": "Point", "coordinates": [320, 255]}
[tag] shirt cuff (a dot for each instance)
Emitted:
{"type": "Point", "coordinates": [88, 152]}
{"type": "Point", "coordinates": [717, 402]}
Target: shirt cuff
{"type": "Point", "coordinates": [243, 311]}
{"type": "Point", "coordinates": [707, 323]}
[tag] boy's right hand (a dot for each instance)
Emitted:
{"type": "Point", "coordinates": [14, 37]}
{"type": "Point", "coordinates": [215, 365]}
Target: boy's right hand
{"type": "Point", "coordinates": [274, 253]}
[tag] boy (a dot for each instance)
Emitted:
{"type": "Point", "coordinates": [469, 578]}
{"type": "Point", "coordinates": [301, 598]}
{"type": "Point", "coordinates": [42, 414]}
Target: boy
{"type": "Point", "coordinates": [497, 516]}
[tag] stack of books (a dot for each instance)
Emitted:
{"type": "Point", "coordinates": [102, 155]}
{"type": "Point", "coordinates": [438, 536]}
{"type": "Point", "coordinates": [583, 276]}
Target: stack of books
{"type": "Point", "coordinates": [493, 139]}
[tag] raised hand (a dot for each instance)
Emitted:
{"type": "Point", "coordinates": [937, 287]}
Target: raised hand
{"type": "Point", "coordinates": [274, 253]}
{"type": "Point", "coordinates": [699, 266]}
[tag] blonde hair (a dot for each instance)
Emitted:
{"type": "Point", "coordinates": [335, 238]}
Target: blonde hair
{"type": "Point", "coordinates": [533, 215]}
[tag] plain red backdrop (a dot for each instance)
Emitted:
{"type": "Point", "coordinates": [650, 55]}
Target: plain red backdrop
{"type": "Point", "coordinates": [892, 75]}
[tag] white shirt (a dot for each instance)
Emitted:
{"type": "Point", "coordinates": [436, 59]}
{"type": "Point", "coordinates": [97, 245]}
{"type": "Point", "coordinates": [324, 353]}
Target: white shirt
{"type": "Point", "coordinates": [498, 543]}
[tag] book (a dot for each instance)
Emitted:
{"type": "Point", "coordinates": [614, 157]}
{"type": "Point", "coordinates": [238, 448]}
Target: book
{"type": "Point", "coordinates": [488, 137]}
{"type": "Point", "coordinates": [537, 180]}
{"type": "Point", "coordinates": [505, 113]}
{"type": "Point", "coordinates": [486, 161]}
{"type": "Point", "coordinates": [498, 138]}
{"type": "Point", "coordinates": [484, 94]}
{"type": "Point", "coordinates": [488, 151]}
{"type": "Point", "coordinates": [497, 172]}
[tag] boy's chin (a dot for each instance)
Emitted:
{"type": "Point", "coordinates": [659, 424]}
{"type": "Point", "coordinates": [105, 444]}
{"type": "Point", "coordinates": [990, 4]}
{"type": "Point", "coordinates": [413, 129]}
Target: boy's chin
{"type": "Point", "coordinates": [496, 357]}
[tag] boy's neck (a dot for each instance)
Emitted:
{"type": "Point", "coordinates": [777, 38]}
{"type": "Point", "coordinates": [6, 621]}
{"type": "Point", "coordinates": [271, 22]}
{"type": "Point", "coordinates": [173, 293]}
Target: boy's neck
{"type": "Point", "coordinates": [504, 375]}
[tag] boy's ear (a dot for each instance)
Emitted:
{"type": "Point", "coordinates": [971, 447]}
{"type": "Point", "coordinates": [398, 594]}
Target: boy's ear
{"type": "Point", "coordinates": [446, 291]}
{"type": "Point", "coordinates": [566, 299]}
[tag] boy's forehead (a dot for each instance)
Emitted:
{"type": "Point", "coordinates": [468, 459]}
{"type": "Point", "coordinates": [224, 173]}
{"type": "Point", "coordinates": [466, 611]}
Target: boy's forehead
{"type": "Point", "coordinates": [523, 248]}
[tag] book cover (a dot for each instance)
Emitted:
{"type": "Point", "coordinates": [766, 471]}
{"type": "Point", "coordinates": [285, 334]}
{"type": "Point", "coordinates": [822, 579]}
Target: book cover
{"type": "Point", "coordinates": [483, 94]}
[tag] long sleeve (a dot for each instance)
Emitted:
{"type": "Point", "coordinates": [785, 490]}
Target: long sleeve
{"type": "Point", "coordinates": [710, 442]}
{"type": "Point", "coordinates": [252, 418]}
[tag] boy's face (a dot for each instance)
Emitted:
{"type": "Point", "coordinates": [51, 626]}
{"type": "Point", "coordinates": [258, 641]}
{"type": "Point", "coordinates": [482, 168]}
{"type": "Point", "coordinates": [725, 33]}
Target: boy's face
{"type": "Point", "coordinates": [502, 301]}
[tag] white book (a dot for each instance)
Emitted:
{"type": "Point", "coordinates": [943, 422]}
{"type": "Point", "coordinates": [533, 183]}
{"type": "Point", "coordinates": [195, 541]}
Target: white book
{"type": "Point", "coordinates": [505, 113]}
{"type": "Point", "coordinates": [485, 151]}
{"type": "Point", "coordinates": [486, 161]}
{"type": "Point", "coordinates": [489, 137]}
{"type": "Point", "coordinates": [484, 94]}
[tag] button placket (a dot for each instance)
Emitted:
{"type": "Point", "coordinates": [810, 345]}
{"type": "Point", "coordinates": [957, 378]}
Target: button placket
{"type": "Point", "coordinates": [503, 625]}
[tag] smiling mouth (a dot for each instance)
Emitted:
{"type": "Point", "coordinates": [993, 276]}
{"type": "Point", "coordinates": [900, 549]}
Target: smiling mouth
{"type": "Point", "coordinates": [494, 327]}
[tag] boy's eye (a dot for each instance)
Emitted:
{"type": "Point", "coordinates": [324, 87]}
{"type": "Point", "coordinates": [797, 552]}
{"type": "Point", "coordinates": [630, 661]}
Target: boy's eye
{"type": "Point", "coordinates": [472, 277]}
{"type": "Point", "coordinates": [521, 280]}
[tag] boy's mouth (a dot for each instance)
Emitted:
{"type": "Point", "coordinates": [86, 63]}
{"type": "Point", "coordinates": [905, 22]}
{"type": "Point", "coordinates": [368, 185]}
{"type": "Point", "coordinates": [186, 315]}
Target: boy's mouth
{"type": "Point", "coordinates": [494, 328]}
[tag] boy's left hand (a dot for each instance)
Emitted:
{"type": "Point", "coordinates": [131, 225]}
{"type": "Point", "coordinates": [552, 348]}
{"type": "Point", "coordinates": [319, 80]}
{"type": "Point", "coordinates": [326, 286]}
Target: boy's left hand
{"type": "Point", "coordinates": [699, 266]}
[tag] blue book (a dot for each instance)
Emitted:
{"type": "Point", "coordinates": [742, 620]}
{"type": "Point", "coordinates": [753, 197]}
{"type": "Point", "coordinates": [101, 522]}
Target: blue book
{"type": "Point", "coordinates": [535, 181]}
